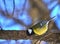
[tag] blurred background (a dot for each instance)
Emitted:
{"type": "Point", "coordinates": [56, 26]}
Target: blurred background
{"type": "Point", "coordinates": [21, 14]}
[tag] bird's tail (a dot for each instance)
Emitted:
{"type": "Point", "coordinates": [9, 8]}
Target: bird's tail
{"type": "Point", "coordinates": [51, 19]}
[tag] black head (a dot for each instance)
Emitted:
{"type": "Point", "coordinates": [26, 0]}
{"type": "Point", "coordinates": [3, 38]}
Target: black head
{"type": "Point", "coordinates": [29, 32]}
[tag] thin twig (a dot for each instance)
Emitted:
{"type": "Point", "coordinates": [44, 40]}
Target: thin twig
{"type": "Point", "coordinates": [5, 7]}
{"type": "Point", "coordinates": [42, 37]}
{"type": "Point", "coordinates": [13, 7]}
{"type": "Point", "coordinates": [24, 5]}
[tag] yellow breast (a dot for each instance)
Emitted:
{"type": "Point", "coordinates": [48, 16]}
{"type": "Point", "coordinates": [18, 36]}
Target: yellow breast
{"type": "Point", "coordinates": [41, 31]}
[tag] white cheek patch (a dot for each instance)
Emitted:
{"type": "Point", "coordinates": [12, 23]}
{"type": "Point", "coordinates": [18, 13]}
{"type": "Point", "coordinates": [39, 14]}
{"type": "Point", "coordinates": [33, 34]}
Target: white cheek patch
{"type": "Point", "coordinates": [30, 31]}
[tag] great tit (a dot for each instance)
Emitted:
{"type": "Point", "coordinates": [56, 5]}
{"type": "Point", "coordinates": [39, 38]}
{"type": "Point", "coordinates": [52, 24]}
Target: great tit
{"type": "Point", "coordinates": [39, 28]}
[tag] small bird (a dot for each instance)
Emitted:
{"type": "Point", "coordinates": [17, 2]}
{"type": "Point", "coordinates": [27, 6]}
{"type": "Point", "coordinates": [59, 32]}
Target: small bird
{"type": "Point", "coordinates": [39, 28]}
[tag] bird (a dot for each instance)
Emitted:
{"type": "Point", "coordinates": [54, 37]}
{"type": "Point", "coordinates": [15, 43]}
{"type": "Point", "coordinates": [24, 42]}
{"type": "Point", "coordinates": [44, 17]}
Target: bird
{"type": "Point", "coordinates": [39, 28]}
